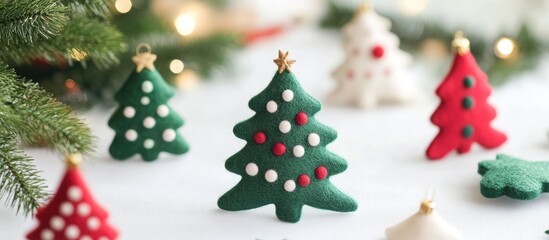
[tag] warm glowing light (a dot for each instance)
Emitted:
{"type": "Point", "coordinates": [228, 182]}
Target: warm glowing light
{"type": "Point", "coordinates": [70, 84]}
{"type": "Point", "coordinates": [123, 6]}
{"type": "Point", "coordinates": [185, 24]}
{"type": "Point", "coordinates": [412, 7]}
{"type": "Point", "coordinates": [176, 66]}
{"type": "Point", "coordinates": [187, 80]}
{"type": "Point", "coordinates": [505, 48]}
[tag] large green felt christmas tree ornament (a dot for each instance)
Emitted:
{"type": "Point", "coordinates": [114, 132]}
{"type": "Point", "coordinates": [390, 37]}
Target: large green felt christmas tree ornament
{"type": "Point", "coordinates": [144, 122]}
{"type": "Point", "coordinates": [513, 177]}
{"type": "Point", "coordinates": [285, 161]}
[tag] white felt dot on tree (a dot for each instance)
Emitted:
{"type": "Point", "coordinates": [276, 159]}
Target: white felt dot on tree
{"type": "Point", "coordinates": [149, 122]}
{"type": "Point", "coordinates": [148, 144]}
{"type": "Point", "coordinates": [57, 223]}
{"type": "Point", "coordinates": [162, 111]}
{"type": "Point", "coordinates": [252, 169]}
{"type": "Point", "coordinates": [47, 234]}
{"type": "Point", "coordinates": [299, 151]}
{"type": "Point", "coordinates": [284, 126]}
{"type": "Point", "coordinates": [313, 139]}
{"type": "Point", "coordinates": [271, 175]}
{"type": "Point", "coordinates": [72, 232]}
{"type": "Point", "coordinates": [272, 106]}
{"type": "Point", "coordinates": [129, 112]}
{"type": "Point", "coordinates": [288, 95]}
{"type": "Point", "coordinates": [66, 209]}
{"type": "Point", "coordinates": [289, 186]}
{"type": "Point", "coordinates": [131, 135]}
{"type": "Point", "coordinates": [83, 209]}
{"type": "Point", "coordinates": [147, 86]}
{"type": "Point", "coordinates": [145, 100]}
{"type": "Point", "coordinates": [93, 223]}
{"type": "Point", "coordinates": [86, 237]}
{"type": "Point", "coordinates": [168, 135]}
{"type": "Point", "coordinates": [74, 193]}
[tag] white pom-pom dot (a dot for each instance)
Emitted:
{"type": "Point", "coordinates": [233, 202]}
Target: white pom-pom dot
{"type": "Point", "coordinates": [66, 209]}
{"type": "Point", "coordinates": [83, 209]}
{"type": "Point", "coordinates": [72, 232]}
{"type": "Point", "coordinates": [129, 112]}
{"type": "Point", "coordinates": [131, 135]}
{"type": "Point", "coordinates": [285, 126]}
{"type": "Point", "coordinates": [168, 135]}
{"type": "Point", "coordinates": [145, 100]}
{"type": "Point", "coordinates": [252, 169]}
{"type": "Point", "coordinates": [74, 193]}
{"type": "Point", "coordinates": [162, 111]}
{"type": "Point", "coordinates": [47, 234]}
{"type": "Point", "coordinates": [147, 86]}
{"type": "Point", "coordinates": [93, 223]}
{"type": "Point", "coordinates": [313, 139]}
{"type": "Point", "coordinates": [272, 106]}
{"type": "Point", "coordinates": [148, 144]}
{"type": "Point", "coordinates": [149, 122]}
{"type": "Point", "coordinates": [57, 223]}
{"type": "Point", "coordinates": [271, 175]}
{"type": "Point", "coordinates": [289, 186]}
{"type": "Point", "coordinates": [288, 95]}
{"type": "Point", "coordinates": [299, 151]}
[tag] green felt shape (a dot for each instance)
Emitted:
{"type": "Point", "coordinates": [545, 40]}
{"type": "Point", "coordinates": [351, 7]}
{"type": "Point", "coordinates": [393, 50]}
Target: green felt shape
{"type": "Point", "coordinates": [144, 123]}
{"type": "Point", "coordinates": [303, 157]}
{"type": "Point", "coordinates": [513, 177]}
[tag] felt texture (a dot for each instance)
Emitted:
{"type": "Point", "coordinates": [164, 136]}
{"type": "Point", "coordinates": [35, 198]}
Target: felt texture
{"type": "Point", "coordinates": [254, 190]}
{"type": "Point", "coordinates": [72, 213]}
{"type": "Point", "coordinates": [375, 70]}
{"type": "Point", "coordinates": [132, 95]}
{"type": "Point", "coordinates": [464, 114]}
{"type": "Point", "coordinates": [513, 177]}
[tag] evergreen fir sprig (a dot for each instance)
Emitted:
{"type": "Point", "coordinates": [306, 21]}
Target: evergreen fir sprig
{"type": "Point", "coordinates": [37, 118]}
{"type": "Point", "coordinates": [82, 39]}
{"type": "Point", "coordinates": [88, 7]}
{"type": "Point", "coordinates": [25, 22]}
{"type": "Point", "coordinates": [21, 186]}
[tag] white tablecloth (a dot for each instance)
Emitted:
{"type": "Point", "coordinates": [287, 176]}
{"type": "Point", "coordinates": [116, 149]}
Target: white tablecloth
{"type": "Point", "coordinates": [175, 197]}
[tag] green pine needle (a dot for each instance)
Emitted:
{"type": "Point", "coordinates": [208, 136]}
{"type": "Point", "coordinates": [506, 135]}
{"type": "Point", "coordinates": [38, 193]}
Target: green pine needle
{"type": "Point", "coordinates": [25, 22]}
{"type": "Point", "coordinates": [21, 186]}
{"type": "Point", "coordinates": [88, 7]}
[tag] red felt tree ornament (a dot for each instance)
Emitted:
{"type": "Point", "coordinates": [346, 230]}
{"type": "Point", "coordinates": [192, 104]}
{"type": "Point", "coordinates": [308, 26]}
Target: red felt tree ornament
{"type": "Point", "coordinates": [72, 213]}
{"type": "Point", "coordinates": [464, 114]}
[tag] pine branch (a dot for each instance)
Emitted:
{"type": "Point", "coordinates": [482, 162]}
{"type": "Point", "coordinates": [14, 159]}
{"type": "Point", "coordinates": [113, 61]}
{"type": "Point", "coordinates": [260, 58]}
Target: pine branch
{"type": "Point", "coordinates": [36, 117]}
{"type": "Point", "coordinates": [20, 185]}
{"type": "Point", "coordinates": [82, 37]}
{"type": "Point", "coordinates": [25, 22]}
{"type": "Point", "coordinates": [88, 7]}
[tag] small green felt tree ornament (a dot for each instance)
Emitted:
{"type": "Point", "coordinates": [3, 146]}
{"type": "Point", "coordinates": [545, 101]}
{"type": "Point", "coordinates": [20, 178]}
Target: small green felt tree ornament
{"type": "Point", "coordinates": [285, 162]}
{"type": "Point", "coordinates": [513, 177]}
{"type": "Point", "coordinates": [144, 123]}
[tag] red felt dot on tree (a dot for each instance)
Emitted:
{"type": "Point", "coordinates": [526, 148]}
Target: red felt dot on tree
{"type": "Point", "coordinates": [260, 137]}
{"type": "Point", "coordinates": [279, 149]}
{"type": "Point", "coordinates": [303, 180]}
{"type": "Point", "coordinates": [301, 118]}
{"type": "Point", "coordinates": [321, 172]}
{"type": "Point", "coordinates": [377, 51]}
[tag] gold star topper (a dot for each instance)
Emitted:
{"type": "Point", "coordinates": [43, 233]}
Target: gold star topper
{"type": "Point", "coordinates": [144, 59]}
{"type": "Point", "coordinates": [283, 63]}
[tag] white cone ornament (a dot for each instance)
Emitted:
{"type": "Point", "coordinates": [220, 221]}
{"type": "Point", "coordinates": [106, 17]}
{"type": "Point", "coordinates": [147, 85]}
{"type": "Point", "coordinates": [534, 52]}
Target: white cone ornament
{"type": "Point", "coordinates": [375, 69]}
{"type": "Point", "coordinates": [427, 224]}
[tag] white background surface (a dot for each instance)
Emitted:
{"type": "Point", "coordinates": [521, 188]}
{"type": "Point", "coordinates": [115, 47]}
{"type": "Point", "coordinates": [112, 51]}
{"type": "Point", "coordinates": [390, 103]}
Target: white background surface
{"type": "Point", "coordinates": [175, 197]}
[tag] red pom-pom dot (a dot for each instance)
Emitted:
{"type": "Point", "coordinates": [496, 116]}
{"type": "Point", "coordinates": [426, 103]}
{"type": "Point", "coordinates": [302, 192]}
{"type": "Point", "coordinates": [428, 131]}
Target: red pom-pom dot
{"type": "Point", "coordinates": [279, 149]}
{"type": "Point", "coordinates": [377, 51]}
{"type": "Point", "coordinates": [260, 137]}
{"type": "Point", "coordinates": [301, 118]}
{"type": "Point", "coordinates": [303, 180]}
{"type": "Point", "coordinates": [321, 172]}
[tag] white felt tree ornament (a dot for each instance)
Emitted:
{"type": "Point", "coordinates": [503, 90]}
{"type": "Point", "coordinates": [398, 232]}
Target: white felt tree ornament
{"type": "Point", "coordinates": [375, 69]}
{"type": "Point", "coordinates": [427, 224]}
